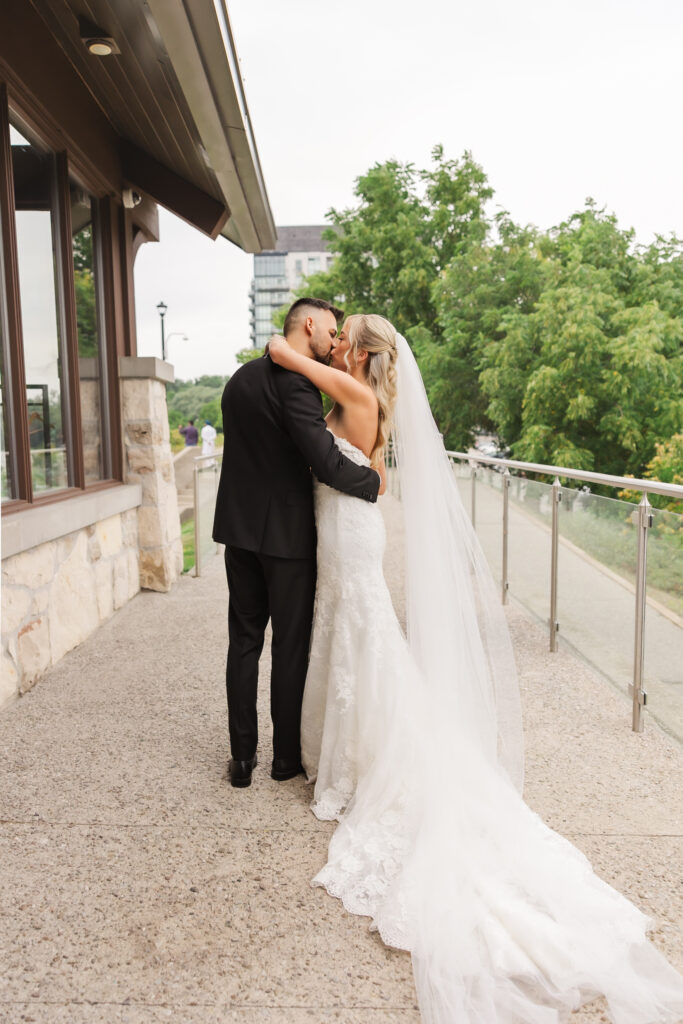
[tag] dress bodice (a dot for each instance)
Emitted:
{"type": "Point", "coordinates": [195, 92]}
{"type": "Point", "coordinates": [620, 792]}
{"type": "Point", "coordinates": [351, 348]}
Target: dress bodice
{"type": "Point", "coordinates": [350, 530]}
{"type": "Point", "coordinates": [350, 451]}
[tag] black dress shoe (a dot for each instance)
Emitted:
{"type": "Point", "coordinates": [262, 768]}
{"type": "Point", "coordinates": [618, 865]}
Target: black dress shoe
{"type": "Point", "coordinates": [285, 768]}
{"type": "Point", "coordinates": [240, 771]}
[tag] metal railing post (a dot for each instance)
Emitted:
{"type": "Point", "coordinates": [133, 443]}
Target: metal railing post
{"type": "Point", "coordinates": [554, 624]}
{"type": "Point", "coordinates": [197, 555]}
{"type": "Point", "coordinates": [474, 497]}
{"type": "Point", "coordinates": [506, 510]}
{"type": "Point", "coordinates": [637, 690]}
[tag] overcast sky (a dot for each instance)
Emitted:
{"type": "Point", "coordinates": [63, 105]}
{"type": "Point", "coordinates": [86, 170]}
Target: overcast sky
{"type": "Point", "coordinates": [556, 99]}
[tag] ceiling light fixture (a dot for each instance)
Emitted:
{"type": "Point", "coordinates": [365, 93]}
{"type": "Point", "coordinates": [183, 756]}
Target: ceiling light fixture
{"type": "Point", "coordinates": [96, 40]}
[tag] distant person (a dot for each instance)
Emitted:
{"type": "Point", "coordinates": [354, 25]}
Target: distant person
{"type": "Point", "coordinates": [209, 441]}
{"type": "Point", "coordinates": [190, 433]}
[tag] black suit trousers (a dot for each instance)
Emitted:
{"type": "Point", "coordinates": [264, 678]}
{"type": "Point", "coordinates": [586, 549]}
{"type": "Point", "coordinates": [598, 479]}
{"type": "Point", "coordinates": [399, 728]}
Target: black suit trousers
{"type": "Point", "coordinates": [282, 589]}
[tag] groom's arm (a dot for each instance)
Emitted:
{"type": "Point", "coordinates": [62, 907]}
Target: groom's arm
{"type": "Point", "coordinates": [302, 409]}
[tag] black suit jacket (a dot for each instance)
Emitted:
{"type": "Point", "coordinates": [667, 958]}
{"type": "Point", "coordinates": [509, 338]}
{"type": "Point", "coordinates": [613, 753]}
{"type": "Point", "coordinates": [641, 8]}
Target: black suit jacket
{"type": "Point", "coordinates": [274, 435]}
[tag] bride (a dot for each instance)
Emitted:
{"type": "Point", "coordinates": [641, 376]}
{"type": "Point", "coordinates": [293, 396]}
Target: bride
{"type": "Point", "coordinates": [415, 744]}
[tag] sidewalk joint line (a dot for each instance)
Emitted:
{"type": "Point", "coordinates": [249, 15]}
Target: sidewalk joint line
{"type": "Point", "coordinates": [213, 1006]}
{"type": "Point", "coordinates": [181, 825]}
{"type": "Point", "coordinates": [227, 829]}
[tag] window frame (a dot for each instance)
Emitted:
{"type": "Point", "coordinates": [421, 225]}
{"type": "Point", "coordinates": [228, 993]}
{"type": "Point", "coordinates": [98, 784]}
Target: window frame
{"type": "Point", "coordinates": [12, 327]}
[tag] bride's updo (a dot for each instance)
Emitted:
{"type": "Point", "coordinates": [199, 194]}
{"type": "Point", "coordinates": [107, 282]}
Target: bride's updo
{"type": "Point", "coordinates": [376, 336]}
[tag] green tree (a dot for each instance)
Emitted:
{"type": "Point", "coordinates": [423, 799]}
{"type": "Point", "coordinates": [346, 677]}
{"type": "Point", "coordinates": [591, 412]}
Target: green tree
{"type": "Point", "coordinates": [189, 399]}
{"type": "Point", "coordinates": [82, 249]}
{"type": "Point", "coordinates": [592, 375]}
{"type": "Point", "coordinates": [391, 251]}
{"type": "Point", "coordinates": [481, 284]}
{"type": "Point", "coordinates": [667, 466]}
{"type": "Point", "coordinates": [86, 313]}
{"type": "Point", "coordinates": [211, 411]}
{"type": "Point", "coordinates": [84, 287]}
{"type": "Point", "coordinates": [567, 343]}
{"type": "Point", "coordinates": [392, 245]}
{"type": "Point", "coordinates": [246, 355]}
{"type": "Point", "coordinates": [175, 418]}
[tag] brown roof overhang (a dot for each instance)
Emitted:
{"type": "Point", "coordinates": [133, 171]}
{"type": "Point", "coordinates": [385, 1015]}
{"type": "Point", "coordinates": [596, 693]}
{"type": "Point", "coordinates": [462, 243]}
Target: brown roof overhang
{"type": "Point", "coordinates": [172, 95]}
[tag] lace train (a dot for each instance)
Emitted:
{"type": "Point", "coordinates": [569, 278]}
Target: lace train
{"type": "Point", "coordinates": [505, 919]}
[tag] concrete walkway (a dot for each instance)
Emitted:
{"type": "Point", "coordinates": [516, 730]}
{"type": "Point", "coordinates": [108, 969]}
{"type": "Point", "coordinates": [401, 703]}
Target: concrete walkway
{"type": "Point", "coordinates": [139, 887]}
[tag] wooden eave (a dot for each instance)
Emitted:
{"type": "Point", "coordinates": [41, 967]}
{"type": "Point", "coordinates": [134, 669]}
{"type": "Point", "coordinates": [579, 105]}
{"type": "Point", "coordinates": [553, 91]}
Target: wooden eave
{"type": "Point", "coordinates": [172, 100]}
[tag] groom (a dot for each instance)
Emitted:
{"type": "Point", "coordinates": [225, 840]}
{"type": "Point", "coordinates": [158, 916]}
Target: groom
{"type": "Point", "coordinates": [275, 435]}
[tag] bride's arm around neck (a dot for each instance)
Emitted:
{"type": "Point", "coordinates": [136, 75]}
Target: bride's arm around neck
{"type": "Point", "coordinates": [339, 385]}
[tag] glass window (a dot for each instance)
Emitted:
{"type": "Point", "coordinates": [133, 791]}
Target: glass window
{"type": "Point", "coordinates": [269, 266]}
{"type": "Point", "coordinates": [90, 347]}
{"type": "Point", "coordinates": [7, 485]}
{"type": "Point", "coordinates": [34, 174]}
{"type": "Point", "coordinates": [299, 268]}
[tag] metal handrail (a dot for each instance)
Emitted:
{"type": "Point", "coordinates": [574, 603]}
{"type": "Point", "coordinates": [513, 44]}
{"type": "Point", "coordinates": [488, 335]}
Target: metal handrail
{"type": "Point", "coordinates": [624, 482]}
{"type": "Point", "coordinates": [197, 547]}
{"type": "Point", "coordinates": [644, 523]}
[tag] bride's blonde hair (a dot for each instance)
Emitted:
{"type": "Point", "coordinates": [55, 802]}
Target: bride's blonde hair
{"type": "Point", "coordinates": [374, 334]}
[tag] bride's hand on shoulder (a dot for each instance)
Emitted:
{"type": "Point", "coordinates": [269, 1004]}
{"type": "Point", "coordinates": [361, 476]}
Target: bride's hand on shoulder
{"type": "Point", "coordinates": [279, 350]}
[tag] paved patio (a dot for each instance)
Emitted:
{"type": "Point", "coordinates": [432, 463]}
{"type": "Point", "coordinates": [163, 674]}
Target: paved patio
{"type": "Point", "coordinates": [138, 886]}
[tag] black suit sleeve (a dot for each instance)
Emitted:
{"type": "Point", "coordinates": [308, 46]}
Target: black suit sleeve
{"type": "Point", "coordinates": [303, 419]}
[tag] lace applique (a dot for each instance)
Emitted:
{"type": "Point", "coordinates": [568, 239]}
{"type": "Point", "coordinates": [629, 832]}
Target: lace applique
{"type": "Point", "coordinates": [357, 651]}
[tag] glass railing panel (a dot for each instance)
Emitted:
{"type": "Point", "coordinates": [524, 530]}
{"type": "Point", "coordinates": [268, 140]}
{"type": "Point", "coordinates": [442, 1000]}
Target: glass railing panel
{"type": "Point", "coordinates": [529, 534]}
{"type": "Point", "coordinates": [664, 621]}
{"type": "Point", "coordinates": [596, 605]}
{"type": "Point", "coordinates": [598, 539]}
{"type": "Point", "coordinates": [207, 488]}
{"type": "Point", "coordinates": [463, 474]}
{"type": "Point", "coordinates": [489, 516]}
{"type": "Point", "coordinates": [596, 581]}
{"type": "Point", "coordinates": [665, 562]}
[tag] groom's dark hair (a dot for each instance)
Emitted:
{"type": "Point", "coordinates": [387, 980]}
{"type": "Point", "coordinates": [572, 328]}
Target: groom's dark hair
{"type": "Point", "coordinates": [294, 311]}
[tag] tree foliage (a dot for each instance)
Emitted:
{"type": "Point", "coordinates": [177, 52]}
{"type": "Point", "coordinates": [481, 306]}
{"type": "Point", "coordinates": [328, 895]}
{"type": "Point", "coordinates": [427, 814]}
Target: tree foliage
{"type": "Point", "coordinates": [246, 355]}
{"type": "Point", "coordinates": [667, 466]}
{"type": "Point", "coordinates": [406, 227]}
{"type": "Point", "coordinates": [84, 285]}
{"type": "Point", "coordinates": [198, 399]}
{"type": "Point", "coordinates": [591, 375]}
{"type": "Point", "coordinates": [565, 342]}
{"type": "Point", "coordinates": [86, 312]}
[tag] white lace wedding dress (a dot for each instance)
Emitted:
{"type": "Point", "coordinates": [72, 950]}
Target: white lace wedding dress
{"type": "Point", "coordinates": [505, 919]}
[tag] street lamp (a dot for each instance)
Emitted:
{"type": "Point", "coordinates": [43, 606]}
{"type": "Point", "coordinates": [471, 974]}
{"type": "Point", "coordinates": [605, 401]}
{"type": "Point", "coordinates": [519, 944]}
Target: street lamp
{"type": "Point", "coordinates": [162, 307]}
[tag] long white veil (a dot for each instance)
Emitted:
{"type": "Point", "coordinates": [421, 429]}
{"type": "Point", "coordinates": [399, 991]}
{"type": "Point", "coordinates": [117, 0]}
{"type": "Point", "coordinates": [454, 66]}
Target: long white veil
{"type": "Point", "coordinates": [505, 919]}
{"type": "Point", "coordinates": [457, 630]}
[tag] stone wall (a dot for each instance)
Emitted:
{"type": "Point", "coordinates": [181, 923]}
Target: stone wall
{"type": "Point", "coordinates": [54, 595]}
{"type": "Point", "coordinates": [149, 462]}
{"type": "Point", "coordinates": [60, 584]}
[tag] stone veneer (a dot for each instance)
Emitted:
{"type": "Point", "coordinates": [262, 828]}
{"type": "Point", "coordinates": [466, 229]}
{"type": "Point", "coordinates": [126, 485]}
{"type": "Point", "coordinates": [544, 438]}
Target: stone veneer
{"type": "Point", "coordinates": [59, 584]}
{"type": "Point", "coordinates": [54, 595]}
{"type": "Point", "coordinates": [149, 462]}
